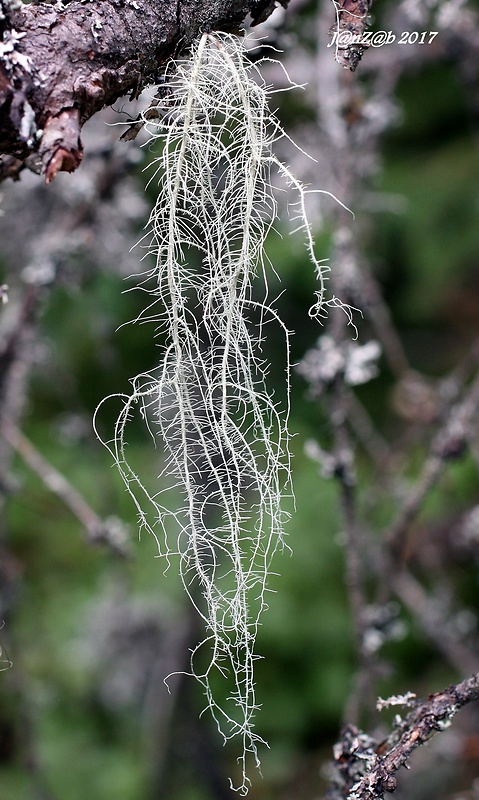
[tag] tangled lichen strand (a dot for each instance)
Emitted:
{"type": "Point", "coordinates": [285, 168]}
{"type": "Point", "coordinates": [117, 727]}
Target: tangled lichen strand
{"type": "Point", "coordinates": [224, 437]}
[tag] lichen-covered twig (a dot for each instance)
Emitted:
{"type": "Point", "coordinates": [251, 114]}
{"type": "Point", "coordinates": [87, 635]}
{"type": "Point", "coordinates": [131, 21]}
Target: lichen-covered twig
{"type": "Point", "coordinates": [365, 769]}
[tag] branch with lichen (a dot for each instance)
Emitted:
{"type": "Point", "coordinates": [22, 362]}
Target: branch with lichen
{"type": "Point", "coordinates": [59, 65]}
{"type": "Point", "coordinates": [366, 769]}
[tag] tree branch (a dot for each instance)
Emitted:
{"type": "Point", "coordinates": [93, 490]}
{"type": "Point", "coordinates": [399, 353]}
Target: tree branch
{"type": "Point", "coordinates": [60, 64]}
{"type": "Point", "coordinates": [365, 770]}
{"type": "Point", "coordinates": [109, 532]}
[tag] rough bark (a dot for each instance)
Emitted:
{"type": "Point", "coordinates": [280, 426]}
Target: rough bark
{"type": "Point", "coordinates": [60, 64]}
